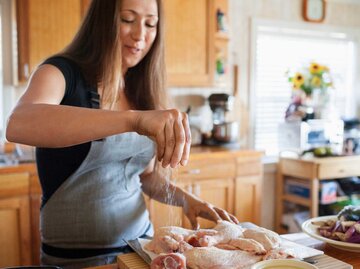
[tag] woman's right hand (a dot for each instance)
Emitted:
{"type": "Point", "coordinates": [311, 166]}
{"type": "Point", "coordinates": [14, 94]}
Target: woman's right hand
{"type": "Point", "coordinates": [171, 132]}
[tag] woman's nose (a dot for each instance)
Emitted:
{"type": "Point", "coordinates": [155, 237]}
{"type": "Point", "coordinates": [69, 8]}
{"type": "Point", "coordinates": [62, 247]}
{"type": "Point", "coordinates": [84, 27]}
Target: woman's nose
{"type": "Point", "coordinates": [138, 32]}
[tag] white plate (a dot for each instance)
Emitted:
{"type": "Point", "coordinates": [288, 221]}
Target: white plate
{"type": "Point", "coordinates": [312, 230]}
{"type": "Point", "coordinates": [283, 264]}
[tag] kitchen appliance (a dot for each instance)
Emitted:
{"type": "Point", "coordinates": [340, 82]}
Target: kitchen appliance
{"type": "Point", "coordinates": [223, 131]}
{"type": "Point", "coordinates": [351, 136]}
{"type": "Point", "coordinates": [304, 135]}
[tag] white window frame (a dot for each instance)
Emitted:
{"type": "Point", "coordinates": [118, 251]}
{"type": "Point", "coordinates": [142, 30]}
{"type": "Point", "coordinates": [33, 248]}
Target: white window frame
{"type": "Point", "coordinates": [326, 31]}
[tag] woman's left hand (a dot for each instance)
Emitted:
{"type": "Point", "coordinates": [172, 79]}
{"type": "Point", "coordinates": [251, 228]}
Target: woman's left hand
{"type": "Point", "coordinates": [194, 207]}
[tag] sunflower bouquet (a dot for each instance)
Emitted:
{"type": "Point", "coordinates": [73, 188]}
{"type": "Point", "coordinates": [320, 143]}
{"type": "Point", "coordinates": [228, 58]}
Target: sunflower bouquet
{"type": "Point", "coordinates": [314, 77]}
{"type": "Point", "coordinates": [311, 92]}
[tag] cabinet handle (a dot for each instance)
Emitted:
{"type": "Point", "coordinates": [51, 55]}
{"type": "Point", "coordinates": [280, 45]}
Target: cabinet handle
{"type": "Point", "coordinates": [193, 172]}
{"type": "Point", "coordinates": [26, 71]}
{"type": "Point", "coordinates": [188, 188]}
{"type": "Point", "coordinates": [197, 190]}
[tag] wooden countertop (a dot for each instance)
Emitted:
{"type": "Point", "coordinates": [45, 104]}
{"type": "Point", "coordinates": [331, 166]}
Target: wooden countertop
{"type": "Point", "coordinates": [351, 258]}
{"type": "Point", "coordinates": [198, 152]}
{"type": "Point", "coordinates": [18, 168]}
{"type": "Point", "coordinates": [320, 160]}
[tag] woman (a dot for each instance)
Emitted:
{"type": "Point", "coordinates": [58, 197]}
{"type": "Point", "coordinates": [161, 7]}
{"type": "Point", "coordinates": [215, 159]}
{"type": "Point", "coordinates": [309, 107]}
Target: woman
{"type": "Point", "coordinates": [94, 112]}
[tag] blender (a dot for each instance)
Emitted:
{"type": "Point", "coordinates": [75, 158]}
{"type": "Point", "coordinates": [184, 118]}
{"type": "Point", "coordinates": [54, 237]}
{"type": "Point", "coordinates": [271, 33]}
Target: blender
{"type": "Point", "coordinates": [223, 131]}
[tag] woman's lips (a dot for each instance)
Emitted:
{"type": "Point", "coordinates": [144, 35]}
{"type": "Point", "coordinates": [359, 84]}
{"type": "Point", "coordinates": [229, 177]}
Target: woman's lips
{"type": "Point", "coordinates": [133, 50]}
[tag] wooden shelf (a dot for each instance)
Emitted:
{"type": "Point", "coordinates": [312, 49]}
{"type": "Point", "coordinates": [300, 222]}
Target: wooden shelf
{"type": "Point", "coordinates": [297, 200]}
{"type": "Point", "coordinates": [313, 171]}
{"type": "Point", "coordinates": [222, 36]}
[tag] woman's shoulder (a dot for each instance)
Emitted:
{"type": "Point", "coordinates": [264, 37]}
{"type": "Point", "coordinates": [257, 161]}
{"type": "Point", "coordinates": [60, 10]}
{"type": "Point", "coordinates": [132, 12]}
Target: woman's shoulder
{"type": "Point", "coordinates": [63, 63]}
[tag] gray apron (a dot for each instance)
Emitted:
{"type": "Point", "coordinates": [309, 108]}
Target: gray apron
{"type": "Point", "coordinates": [101, 203]}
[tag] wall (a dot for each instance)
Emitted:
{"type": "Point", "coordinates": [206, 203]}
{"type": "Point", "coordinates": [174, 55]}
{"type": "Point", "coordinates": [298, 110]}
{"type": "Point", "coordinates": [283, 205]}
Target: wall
{"type": "Point", "coordinates": [7, 30]}
{"type": "Point", "coordinates": [340, 13]}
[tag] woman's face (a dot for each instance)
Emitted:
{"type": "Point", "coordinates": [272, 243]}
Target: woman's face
{"type": "Point", "coordinates": [138, 29]}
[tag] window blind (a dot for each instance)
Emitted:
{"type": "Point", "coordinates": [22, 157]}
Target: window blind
{"type": "Point", "coordinates": [294, 49]}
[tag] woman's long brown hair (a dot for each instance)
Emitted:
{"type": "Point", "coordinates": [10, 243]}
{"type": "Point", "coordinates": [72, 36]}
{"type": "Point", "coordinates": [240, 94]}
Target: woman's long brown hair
{"type": "Point", "coordinates": [96, 49]}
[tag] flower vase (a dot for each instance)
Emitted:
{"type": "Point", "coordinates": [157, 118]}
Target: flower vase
{"type": "Point", "coordinates": [324, 107]}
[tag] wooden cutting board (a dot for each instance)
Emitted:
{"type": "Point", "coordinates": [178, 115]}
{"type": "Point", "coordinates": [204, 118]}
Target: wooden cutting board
{"type": "Point", "coordinates": [133, 261]}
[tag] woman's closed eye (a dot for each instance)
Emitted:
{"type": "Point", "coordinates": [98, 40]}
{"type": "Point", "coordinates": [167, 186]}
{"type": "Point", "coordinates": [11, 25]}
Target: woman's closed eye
{"type": "Point", "coordinates": [127, 20]}
{"type": "Point", "coordinates": [151, 25]}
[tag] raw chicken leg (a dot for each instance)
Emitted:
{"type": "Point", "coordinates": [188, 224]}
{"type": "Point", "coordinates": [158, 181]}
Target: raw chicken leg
{"type": "Point", "coordinates": [215, 258]}
{"type": "Point", "coordinates": [245, 244]}
{"type": "Point", "coordinates": [175, 239]}
{"type": "Point", "coordinates": [268, 239]}
{"type": "Point", "coordinates": [226, 231]}
{"type": "Point", "coordinates": [169, 261]}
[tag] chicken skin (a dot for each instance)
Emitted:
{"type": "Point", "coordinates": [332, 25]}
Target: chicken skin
{"type": "Point", "coordinates": [215, 258]}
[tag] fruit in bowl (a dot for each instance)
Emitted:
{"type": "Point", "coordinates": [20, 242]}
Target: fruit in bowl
{"type": "Point", "coordinates": [345, 228]}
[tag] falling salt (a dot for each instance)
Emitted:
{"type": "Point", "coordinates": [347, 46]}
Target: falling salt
{"type": "Point", "coordinates": [173, 217]}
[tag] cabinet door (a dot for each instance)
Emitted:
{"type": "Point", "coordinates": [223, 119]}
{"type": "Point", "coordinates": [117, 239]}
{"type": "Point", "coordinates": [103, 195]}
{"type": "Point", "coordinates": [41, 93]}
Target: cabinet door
{"type": "Point", "coordinates": [218, 192]}
{"type": "Point", "coordinates": [44, 27]}
{"type": "Point", "coordinates": [15, 247]}
{"type": "Point", "coordinates": [189, 43]}
{"type": "Point", "coordinates": [248, 198]}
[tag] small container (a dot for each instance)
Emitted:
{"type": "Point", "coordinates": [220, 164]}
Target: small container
{"type": "Point", "coordinates": [226, 132]}
{"type": "Point", "coordinates": [283, 264]}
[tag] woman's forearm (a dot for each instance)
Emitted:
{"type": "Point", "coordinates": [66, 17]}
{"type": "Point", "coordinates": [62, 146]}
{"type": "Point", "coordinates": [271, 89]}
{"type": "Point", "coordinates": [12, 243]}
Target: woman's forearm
{"type": "Point", "coordinates": [45, 125]}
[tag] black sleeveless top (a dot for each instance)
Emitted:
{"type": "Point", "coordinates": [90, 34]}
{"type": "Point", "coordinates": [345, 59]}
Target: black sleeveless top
{"type": "Point", "coordinates": [55, 165]}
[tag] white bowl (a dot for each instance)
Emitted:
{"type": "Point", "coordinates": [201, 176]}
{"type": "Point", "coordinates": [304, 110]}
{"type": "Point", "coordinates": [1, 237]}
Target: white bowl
{"type": "Point", "coordinates": [283, 264]}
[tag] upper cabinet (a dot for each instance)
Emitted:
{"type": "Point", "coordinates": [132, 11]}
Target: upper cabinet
{"type": "Point", "coordinates": [44, 27]}
{"type": "Point", "coordinates": [221, 44]}
{"type": "Point", "coordinates": [189, 29]}
{"type": "Point", "coordinates": [196, 37]}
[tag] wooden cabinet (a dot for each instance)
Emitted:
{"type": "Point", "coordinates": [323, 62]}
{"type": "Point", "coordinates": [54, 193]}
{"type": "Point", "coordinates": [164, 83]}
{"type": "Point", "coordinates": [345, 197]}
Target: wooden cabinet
{"type": "Point", "coordinates": [228, 179]}
{"type": "Point", "coordinates": [311, 171]}
{"type": "Point", "coordinates": [20, 197]}
{"type": "Point", "coordinates": [221, 44]}
{"type": "Point", "coordinates": [15, 231]}
{"type": "Point", "coordinates": [44, 27]}
{"type": "Point", "coordinates": [189, 46]}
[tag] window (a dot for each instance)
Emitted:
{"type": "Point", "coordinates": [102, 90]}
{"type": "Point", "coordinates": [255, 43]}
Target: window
{"type": "Point", "coordinates": [1, 79]}
{"type": "Point", "coordinates": [278, 48]}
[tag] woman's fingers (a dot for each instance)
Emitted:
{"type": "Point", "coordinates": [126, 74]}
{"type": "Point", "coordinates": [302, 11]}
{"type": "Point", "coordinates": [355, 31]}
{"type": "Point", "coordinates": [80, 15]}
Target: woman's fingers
{"type": "Point", "coordinates": [224, 215]}
{"type": "Point", "coordinates": [170, 129]}
{"type": "Point", "coordinates": [180, 142]}
{"type": "Point", "coordinates": [160, 143]}
{"type": "Point", "coordinates": [186, 152]}
{"type": "Point", "coordinates": [177, 141]}
{"type": "Point", "coordinates": [170, 143]}
{"type": "Point", "coordinates": [234, 219]}
{"type": "Point", "coordinates": [209, 213]}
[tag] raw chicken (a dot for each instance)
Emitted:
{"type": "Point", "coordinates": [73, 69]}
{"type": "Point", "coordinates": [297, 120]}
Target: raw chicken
{"type": "Point", "coordinates": [268, 239]}
{"type": "Point", "coordinates": [226, 231]}
{"type": "Point", "coordinates": [279, 253]}
{"type": "Point", "coordinates": [226, 246]}
{"type": "Point", "coordinates": [176, 239]}
{"type": "Point", "coordinates": [245, 244]}
{"type": "Point", "coordinates": [169, 261]}
{"type": "Point", "coordinates": [215, 258]}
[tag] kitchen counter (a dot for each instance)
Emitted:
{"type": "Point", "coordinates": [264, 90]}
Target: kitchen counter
{"type": "Point", "coordinates": [351, 258]}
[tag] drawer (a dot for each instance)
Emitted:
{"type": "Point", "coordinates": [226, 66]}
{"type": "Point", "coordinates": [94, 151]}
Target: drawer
{"type": "Point", "coordinates": [14, 184]}
{"type": "Point", "coordinates": [207, 169]}
{"type": "Point", "coordinates": [338, 170]}
{"type": "Point", "coordinates": [249, 166]}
